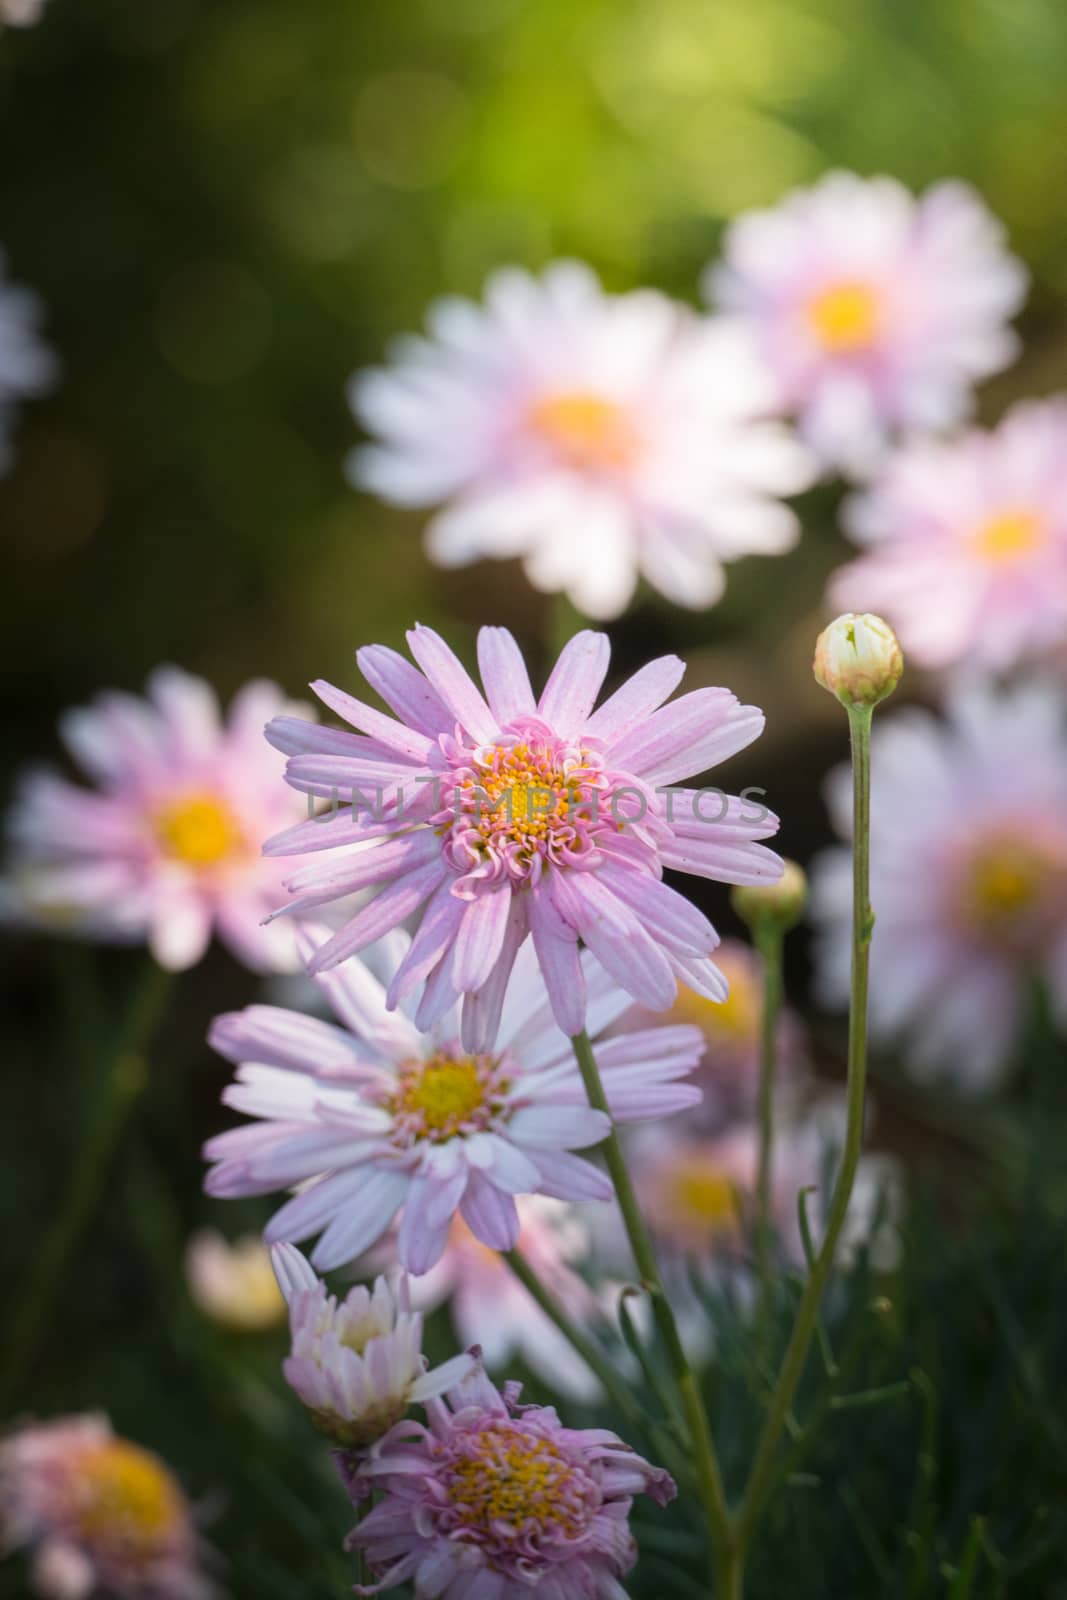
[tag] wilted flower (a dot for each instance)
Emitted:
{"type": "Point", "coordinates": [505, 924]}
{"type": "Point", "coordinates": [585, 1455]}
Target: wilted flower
{"type": "Point", "coordinates": [490, 1307]}
{"type": "Point", "coordinates": [102, 1514]}
{"type": "Point", "coordinates": [858, 659]}
{"type": "Point", "coordinates": [876, 311]}
{"type": "Point", "coordinates": [384, 1117]}
{"type": "Point", "coordinates": [968, 543]}
{"type": "Point", "coordinates": [495, 1501]}
{"type": "Point", "coordinates": [233, 1284]}
{"type": "Point", "coordinates": [27, 367]}
{"type": "Point", "coordinates": [356, 1364]}
{"type": "Point", "coordinates": [968, 874]}
{"type": "Point", "coordinates": [558, 408]}
{"type": "Point", "coordinates": [511, 816]}
{"type": "Point", "coordinates": [166, 847]}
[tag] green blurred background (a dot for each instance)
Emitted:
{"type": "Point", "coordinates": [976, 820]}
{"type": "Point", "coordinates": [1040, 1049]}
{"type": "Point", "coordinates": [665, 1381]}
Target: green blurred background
{"type": "Point", "coordinates": [228, 206]}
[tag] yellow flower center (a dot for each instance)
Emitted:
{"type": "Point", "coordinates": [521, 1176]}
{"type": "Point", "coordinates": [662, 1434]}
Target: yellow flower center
{"type": "Point", "coordinates": [734, 1020]}
{"type": "Point", "coordinates": [124, 1497]}
{"type": "Point", "coordinates": [845, 316]}
{"type": "Point", "coordinates": [586, 429]}
{"type": "Point", "coordinates": [1009, 537]}
{"type": "Point", "coordinates": [199, 830]}
{"type": "Point", "coordinates": [704, 1194]}
{"type": "Point", "coordinates": [514, 1478]}
{"type": "Point", "coordinates": [1005, 881]}
{"type": "Point", "coordinates": [444, 1096]}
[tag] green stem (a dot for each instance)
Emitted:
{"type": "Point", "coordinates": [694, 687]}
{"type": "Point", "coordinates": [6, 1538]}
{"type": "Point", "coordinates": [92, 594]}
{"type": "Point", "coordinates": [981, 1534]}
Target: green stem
{"type": "Point", "coordinates": [769, 941]}
{"type": "Point", "coordinates": [705, 1459]}
{"type": "Point", "coordinates": [123, 1080]}
{"type": "Point", "coordinates": [762, 1474]}
{"type": "Point", "coordinates": [595, 1359]}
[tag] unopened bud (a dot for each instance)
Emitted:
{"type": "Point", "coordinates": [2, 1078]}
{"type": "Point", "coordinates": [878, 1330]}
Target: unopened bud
{"type": "Point", "coordinates": [773, 905]}
{"type": "Point", "coordinates": [858, 658]}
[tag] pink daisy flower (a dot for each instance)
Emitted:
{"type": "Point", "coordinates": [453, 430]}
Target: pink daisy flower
{"type": "Point", "coordinates": [101, 1514]}
{"type": "Point", "coordinates": [381, 1117]}
{"type": "Point", "coordinates": [557, 407]}
{"type": "Point", "coordinates": [967, 543]}
{"type": "Point", "coordinates": [357, 1365]}
{"type": "Point", "coordinates": [490, 1307]}
{"type": "Point", "coordinates": [876, 311]}
{"type": "Point", "coordinates": [494, 1500]}
{"type": "Point", "coordinates": [166, 847]}
{"type": "Point", "coordinates": [499, 816]}
{"type": "Point", "coordinates": [968, 879]}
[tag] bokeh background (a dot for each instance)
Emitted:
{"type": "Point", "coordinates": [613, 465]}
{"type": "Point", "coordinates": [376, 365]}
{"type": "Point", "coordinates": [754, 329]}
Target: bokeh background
{"type": "Point", "coordinates": [230, 205]}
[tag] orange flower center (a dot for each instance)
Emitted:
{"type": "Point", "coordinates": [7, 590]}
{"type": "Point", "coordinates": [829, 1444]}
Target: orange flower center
{"type": "Point", "coordinates": [1008, 537]}
{"type": "Point", "coordinates": [845, 317]}
{"type": "Point", "coordinates": [586, 429]}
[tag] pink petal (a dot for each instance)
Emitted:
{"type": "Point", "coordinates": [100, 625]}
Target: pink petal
{"type": "Point", "coordinates": [389, 908]}
{"type": "Point", "coordinates": [480, 936]}
{"type": "Point", "coordinates": [491, 1215]}
{"type": "Point", "coordinates": [453, 684]}
{"type": "Point", "coordinates": [575, 681]}
{"type": "Point", "coordinates": [405, 690]}
{"type": "Point", "coordinates": [405, 741]}
{"type": "Point", "coordinates": [504, 674]}
{"type": "Point", "coordinates": [636, 699]}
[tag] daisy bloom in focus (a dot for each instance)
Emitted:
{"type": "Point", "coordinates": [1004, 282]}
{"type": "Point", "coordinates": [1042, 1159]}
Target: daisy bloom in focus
{"type": "Point", "coordinates": [27, 366]}
{"type": "Point", "coordinates": [968, 876]}
{"type": "Point", "coordinates": [495, 1501]}
{"type": "Point", "coordinates": [166, 846]}
{"type": "Point", "coordinates": [381, 1117]}
{"type": "Point", "coordinates": [101, 1515]}
{"type": "Point", "coordinates": [356, 1364]}
{"type": "Point", "coordinates": [966, 543]}
{"type": "Point", "coordinates": [499, 816]}
{"type": "Point", "coordinates": [597, 436]}
{"type": "Point", "coordinates": [491, 1308]}
{"type": "Point", "coordinates": [233, 1284]}
{"type": "Point", "coordinates": [876, 311]}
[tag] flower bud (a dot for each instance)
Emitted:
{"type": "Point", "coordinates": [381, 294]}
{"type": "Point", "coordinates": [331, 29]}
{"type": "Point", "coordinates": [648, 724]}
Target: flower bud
{"type": "Point", "coordinates": [858, 658]}
{"type": "Point", "coordinates": [773, 905]}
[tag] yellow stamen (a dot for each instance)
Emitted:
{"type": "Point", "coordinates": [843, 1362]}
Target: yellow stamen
{"type": "Point", "coordinates": [704, 1194]}
{"type": "Point", "coordinates": [442, 1094]}
{"type": "Point", "coordinates": [124, 1496]}
{"type": "Point", "coordinates": [845, 316]}
{"type": "Point", "coordinates": [199, 830]}
{"type": "Point", "coordinates": [1009, 537]}
{"type": "Point", "coordinates": [587, 429]}
{"type": "Point", "coordinates": [1004, 882]}
{"type": "Point", "coordinates": [512, 1478]}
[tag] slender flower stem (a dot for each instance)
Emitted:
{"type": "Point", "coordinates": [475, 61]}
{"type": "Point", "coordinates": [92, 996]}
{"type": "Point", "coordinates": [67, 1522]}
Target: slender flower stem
{"type": "Point", "coordinates": [769, 941]}
{"type": "Point", "coordinates": [122, 1081]}
{"type": "Point", "coordinates": [705, 1458]}
{"type": "Point", "coordinates": [762, 1474]}
{"type": "Point", "coordinates": [595, 1359]}
{"type": "Point", "coordinates": [589, 1351]}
